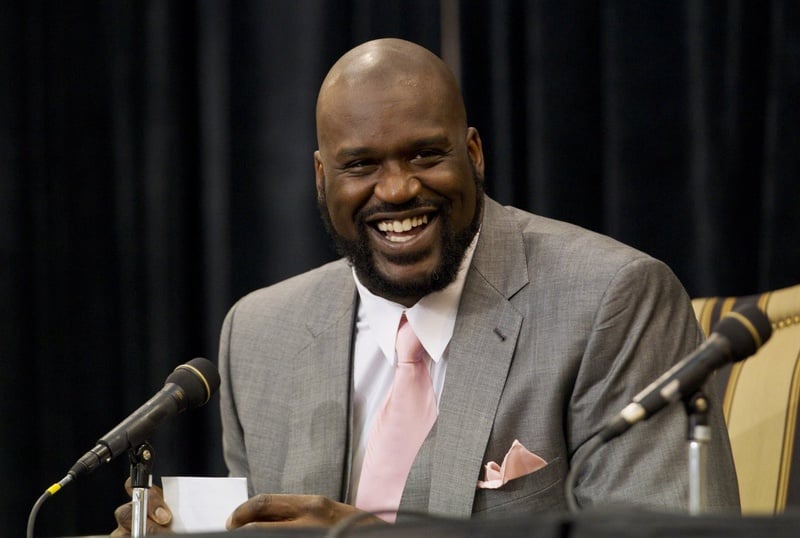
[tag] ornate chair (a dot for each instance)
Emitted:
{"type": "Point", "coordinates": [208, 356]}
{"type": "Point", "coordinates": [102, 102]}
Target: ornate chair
{"type": "Point", "coordinates": [761, 400]}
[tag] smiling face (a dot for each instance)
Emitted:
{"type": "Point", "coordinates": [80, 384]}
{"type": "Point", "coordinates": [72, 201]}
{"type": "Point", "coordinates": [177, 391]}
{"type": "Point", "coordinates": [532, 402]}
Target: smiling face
{"type": "Point", "coordinates": [399, 174]}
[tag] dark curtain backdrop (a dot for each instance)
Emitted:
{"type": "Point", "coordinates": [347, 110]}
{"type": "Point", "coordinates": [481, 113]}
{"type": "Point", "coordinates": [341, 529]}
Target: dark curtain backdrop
{"type": "Point", "coordinates": [156, 164]}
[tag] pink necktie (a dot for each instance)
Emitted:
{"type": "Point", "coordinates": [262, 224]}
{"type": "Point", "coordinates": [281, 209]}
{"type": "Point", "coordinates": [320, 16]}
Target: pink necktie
{"type": "Point", "coordinates": [399, 429]}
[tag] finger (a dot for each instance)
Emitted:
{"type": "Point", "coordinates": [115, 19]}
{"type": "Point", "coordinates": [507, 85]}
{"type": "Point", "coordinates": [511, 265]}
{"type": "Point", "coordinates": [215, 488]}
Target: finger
{"type": "Point", "coordinates": [154, 528]}
{"type": "Point", "coordinates": [157, 508]}
{"type": "Point", "coordinates": [289, 523]}
{"type": "Point", "coordinates": [265, 508]}
{"type": "Point", "coordinates": [123, 516]}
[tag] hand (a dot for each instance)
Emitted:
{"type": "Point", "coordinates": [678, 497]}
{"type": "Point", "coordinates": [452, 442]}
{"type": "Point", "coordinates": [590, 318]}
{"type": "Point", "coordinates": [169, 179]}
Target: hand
{"type": "Point", "coordinates": [159, 515]}
{"type": "Point", "coordinates": [267, 510]}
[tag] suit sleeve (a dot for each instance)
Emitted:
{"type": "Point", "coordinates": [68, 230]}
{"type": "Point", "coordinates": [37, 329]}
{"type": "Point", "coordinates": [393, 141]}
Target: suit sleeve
{"type": "Point", "coordinates": [643, 326]}
{"type": "Point", "coordinates": [233, 445]}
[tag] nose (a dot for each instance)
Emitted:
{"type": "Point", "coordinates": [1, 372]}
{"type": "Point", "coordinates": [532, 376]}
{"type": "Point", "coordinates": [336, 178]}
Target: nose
{"type": "Point", "coordinates": [397, 184]}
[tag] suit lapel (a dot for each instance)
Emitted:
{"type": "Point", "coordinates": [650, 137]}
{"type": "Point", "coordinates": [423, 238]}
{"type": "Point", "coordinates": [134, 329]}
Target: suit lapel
{"type": "Point", "coordinates": [479, 357]}
{"type": "Point", "coordinates": [320, 431]}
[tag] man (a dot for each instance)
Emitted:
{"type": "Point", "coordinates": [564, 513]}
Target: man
{"type": "Point", "coordinates": [536, 331]}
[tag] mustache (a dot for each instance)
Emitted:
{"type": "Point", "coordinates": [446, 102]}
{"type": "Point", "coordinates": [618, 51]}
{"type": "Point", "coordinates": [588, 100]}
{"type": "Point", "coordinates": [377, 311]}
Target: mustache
{"type": "Point", "coordinates": [383, 207]}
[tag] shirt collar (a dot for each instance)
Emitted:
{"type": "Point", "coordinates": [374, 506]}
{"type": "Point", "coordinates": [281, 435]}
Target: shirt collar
{"type": "Point", "coordinates": [433, 317]}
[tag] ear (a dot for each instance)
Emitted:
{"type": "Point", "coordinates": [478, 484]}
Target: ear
{"type": "Point", "coordinates": [475, 150]}
{"type": "Point", "coordinates": [319, 172]}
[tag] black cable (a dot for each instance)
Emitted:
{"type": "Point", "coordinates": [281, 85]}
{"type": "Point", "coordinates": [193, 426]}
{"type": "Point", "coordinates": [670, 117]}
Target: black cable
{"type": "Point", "coordinates": [52, 490]}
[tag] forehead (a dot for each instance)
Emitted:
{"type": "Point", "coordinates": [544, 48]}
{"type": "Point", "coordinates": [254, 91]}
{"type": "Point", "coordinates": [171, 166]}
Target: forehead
{"type": "Point", "coordinates": [382, 111]}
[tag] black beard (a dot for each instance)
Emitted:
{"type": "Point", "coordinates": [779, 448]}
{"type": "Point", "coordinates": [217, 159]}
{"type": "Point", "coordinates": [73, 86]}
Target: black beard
{"type": "Point", "coordinates": [454, 245]}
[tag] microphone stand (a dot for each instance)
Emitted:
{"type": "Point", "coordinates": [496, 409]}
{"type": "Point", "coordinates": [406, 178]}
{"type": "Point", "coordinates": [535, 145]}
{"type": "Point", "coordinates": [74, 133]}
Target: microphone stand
{"type": "Point", "coordinates": [141, 460]}
{"type": "Point", "coordinates": [699, 436]}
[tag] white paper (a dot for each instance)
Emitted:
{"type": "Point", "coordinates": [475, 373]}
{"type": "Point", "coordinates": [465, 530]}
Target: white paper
{"type": "Point", "coordinates": [200, 503]}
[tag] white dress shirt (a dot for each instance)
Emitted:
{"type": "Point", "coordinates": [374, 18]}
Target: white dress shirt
{"type": "Point", "coordinates": [432, 318]}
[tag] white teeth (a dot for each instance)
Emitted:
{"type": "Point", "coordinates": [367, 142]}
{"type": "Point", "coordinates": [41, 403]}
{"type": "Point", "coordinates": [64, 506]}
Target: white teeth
{"type": "Point", "coordinates": [404, 225]}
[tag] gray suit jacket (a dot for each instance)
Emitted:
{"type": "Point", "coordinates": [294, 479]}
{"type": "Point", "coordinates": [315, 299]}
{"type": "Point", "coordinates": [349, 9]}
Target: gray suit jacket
{"type": "Point", "coordinates": [558, 328]}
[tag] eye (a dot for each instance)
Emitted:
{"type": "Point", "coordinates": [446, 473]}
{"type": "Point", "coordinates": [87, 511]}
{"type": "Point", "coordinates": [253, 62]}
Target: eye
{"type": "Point", "coordinates": [427, 156]}
{"type": "Point", "coordinates": [425, 153]}
{"type": "Point", "coordinates": [359, 166]}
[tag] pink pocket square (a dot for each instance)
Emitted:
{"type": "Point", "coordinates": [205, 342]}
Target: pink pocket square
{"type": "Point", "coordinates": [519, 461]}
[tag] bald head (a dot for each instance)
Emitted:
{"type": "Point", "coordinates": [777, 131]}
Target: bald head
{"type": "Point", "coordinates": [399, 173]}
{"type": "Point", "coordinates": [385, 65]}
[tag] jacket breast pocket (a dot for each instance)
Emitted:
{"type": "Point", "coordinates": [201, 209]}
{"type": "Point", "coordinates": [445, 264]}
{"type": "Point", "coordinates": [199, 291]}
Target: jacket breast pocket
{"type": "Point", "coordinates": [538, 491]}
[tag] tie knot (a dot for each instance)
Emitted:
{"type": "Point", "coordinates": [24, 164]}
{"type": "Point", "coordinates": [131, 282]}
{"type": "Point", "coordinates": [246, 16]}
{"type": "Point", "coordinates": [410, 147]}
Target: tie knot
{"type": "Point", "coordinates": [409, 348]}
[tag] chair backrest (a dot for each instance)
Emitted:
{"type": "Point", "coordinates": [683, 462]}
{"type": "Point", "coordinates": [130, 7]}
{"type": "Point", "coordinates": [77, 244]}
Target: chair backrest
{"type": "Point", "coordinates": [761, 401]}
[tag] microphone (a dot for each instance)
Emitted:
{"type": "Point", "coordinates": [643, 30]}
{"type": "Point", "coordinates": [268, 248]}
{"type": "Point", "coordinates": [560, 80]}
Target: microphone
{"type": "Point", "coordinates": [190, 385]}
{"type": "Point", "coordinates": [735, 337]}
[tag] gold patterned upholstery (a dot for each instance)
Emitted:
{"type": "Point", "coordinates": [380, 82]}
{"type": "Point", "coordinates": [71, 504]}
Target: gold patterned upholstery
{"type": "Point", "coordinates": [761, 400]}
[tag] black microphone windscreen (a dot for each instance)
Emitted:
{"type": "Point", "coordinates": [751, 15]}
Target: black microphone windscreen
{"type": "Point", "coordinates": [199, 380]}
{"type": "Point", "coordinates": [747, 329]}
